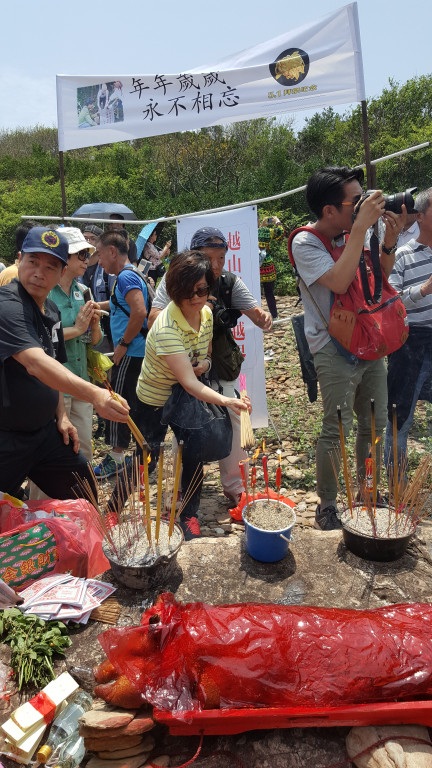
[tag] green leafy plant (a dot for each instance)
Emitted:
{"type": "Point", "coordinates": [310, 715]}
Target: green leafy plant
{"type": "Point", "coordinates": [33, 643]}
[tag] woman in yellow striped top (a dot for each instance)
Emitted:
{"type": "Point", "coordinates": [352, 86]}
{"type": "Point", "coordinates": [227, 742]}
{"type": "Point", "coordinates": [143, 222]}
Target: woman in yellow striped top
{"type": "Point", "coordinates": [178, 349]}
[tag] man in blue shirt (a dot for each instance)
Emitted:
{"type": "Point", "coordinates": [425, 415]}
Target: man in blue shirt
{"type": "Point", "coordinates": [128, 322]}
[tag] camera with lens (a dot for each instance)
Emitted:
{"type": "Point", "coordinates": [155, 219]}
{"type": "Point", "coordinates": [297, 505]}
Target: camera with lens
{"type": "Point", "coordinates": [394, 202]}
{"type": "Point", "coordinates": [224, 317]}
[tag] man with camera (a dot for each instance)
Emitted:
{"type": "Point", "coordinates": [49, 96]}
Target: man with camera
{"type": "Point", "coordinates": [229, 299]}
{"type": "Point", "coordinates": [410, 367]}
{"type": "Point", "coordinates": [335, 196]}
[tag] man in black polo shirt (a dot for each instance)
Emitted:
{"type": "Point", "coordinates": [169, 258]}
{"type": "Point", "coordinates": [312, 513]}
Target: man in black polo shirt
{"type": "Point", "coordinates": [37, 440]}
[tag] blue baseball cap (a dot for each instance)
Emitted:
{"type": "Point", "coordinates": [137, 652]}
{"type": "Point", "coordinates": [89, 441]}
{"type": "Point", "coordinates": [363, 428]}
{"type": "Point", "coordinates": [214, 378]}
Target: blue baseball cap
{"type": "Point", "coordinates": [43, 240]}
{"type": "Point", "coordinates": [202, 236]}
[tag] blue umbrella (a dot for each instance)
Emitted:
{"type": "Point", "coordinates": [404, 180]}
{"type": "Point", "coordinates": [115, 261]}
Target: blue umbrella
{"type": "Point", "coordinates": [143, 236]}
{"type": "Point", "coordinates": [104, 210]}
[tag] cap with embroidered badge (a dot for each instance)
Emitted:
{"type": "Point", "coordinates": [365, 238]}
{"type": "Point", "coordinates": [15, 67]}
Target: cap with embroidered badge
{"type": "Point", "coordinates": [76, 240]}
{"type": "Point", "coordinates": [202, 236]}
{"type": "Point", "coordinates": [43, 240]}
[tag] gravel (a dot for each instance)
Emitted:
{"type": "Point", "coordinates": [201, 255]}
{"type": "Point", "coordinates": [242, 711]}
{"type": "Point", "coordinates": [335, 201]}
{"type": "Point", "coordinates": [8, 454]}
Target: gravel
{"type": "Point", "coordinates": [383, 523]}
{"type": "Point", "coordinates": [269, 515]}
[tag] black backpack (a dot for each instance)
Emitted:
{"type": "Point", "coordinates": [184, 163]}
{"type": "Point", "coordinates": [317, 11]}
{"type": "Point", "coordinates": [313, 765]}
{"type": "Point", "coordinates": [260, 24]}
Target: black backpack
{"type": "Point", "coordinates": [150, 296]}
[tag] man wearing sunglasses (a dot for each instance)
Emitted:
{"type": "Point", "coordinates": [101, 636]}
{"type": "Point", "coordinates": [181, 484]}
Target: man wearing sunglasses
{"type": "Point", "coordinates": [333, 195]}
{"type": "Point", "coordinates": [37, 439]}
{"type": "Point", "coordinates": [229, 298]}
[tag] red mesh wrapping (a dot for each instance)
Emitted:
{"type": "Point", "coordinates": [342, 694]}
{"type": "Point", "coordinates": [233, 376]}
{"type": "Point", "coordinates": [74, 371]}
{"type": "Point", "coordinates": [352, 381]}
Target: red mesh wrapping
{"type": "Point", "coordinates": [197, 656]}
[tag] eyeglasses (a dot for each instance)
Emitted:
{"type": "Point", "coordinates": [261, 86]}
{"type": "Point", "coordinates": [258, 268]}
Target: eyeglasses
{"type": "Point", "coordinates": [200, 292]}
{"type": "Point", "coordinates": [353, 202]}
{"type": "Point", "coordinates": [83, 255]}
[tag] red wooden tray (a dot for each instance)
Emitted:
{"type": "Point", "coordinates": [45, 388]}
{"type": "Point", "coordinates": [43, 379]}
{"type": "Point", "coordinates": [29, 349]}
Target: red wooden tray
{"type": "Point", "coordinates": [222, 722]}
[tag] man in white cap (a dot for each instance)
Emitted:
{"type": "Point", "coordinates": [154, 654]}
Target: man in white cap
{"type": "Point", "coordinates": [37, 440]}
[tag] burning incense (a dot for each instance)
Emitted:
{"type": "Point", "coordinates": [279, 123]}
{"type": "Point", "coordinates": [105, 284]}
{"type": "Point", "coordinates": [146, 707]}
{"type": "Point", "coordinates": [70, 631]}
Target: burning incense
{"type": "Point", "coordinates": [244, 470]}
{"type": "Point", "coordinates": [373, 454]}
{"type": "Point", "coordinates": [159, 490]}
{"type": "Point", "coordinates": [395, 459]}
{"type": "Point", "coordinates": [146, 459]}
{"type": "Point", "coordinates": [246, 431]}
{"type": "Point", "coordinates": [175, 488]}
{"type": "Point", "coordinates": [344, 459]}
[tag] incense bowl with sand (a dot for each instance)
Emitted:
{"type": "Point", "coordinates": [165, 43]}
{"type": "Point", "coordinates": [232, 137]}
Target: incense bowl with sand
{"type": "Point", "coordinates": [268, 527]}
{"type": "Point", "coordinates": [378, 534]}
{"type": "Point", "coordinates": [138, 565]}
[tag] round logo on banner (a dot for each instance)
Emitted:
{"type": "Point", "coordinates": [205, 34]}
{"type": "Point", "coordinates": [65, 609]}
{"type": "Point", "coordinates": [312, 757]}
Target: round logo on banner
{"type": "Point", "coordinates": [290, 67]}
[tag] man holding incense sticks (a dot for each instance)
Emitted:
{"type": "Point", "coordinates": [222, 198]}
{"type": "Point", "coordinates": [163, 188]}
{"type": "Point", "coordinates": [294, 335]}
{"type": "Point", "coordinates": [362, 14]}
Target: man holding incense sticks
{"type": "Point", "coordinates": [410, 367]}
{"type": "Point", "coordinates": [37, 440]}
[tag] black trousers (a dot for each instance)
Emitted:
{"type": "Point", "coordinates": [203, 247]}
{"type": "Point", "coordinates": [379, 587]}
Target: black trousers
{"type": "Point", "coordinates": [124, 379]}
{"type": "Point", "coordinates": [44, 458]}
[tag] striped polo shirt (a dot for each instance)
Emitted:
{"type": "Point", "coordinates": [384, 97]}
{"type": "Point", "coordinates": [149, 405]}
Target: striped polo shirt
{"type": "Point", "coordinates": [170, 334]}
{"type": "Point", "coordinates": [413, 266]}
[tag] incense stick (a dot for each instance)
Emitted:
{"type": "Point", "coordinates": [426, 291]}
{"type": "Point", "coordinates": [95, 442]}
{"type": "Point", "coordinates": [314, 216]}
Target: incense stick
{"type": "Point", "coordinates": [244, 471]}
{"type": "Point", "coordinates": [374, 454]}
{"type": "Point", "coordinates": [147, 495]}
{"type": "Point", "coordinates": [175, 488]}
{"type": "Point", "coordinates": [344, 459]}
{"type": "Point", "coordinates": [159, 490]}
{"type": "Point", "coordinates": [395, 459]}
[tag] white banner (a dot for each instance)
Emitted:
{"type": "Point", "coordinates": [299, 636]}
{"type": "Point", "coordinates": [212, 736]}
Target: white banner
{"type": "Point", "coordinates": [241, 231]}
{"type": "Point", "coordinates": [313, 66]}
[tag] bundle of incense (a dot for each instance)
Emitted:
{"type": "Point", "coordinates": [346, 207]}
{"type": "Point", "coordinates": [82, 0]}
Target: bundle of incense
{"type": "Point", "coordinates": [137, 434]}
{"type": "Point", "coordinates": [246, 431]}
{"type": "Point", "coordinates": [108, 613]}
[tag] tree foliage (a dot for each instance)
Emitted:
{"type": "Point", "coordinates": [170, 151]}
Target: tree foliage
{"type": "Point", "coordinates": [197, 170]}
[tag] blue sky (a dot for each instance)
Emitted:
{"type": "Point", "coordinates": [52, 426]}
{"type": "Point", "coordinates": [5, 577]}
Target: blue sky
{"type": "Point", "coordinates": [42, 38]}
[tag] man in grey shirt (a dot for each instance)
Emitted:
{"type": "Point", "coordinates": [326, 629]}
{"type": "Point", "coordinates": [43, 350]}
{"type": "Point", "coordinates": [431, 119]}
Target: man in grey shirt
{"type": "Point", "coordinates": [332, 195]}
{"type": "Point", "coordinates": [229, 299]}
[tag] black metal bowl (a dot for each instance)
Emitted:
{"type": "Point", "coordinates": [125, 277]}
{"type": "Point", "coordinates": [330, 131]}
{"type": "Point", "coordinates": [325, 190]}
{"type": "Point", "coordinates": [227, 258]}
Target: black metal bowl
{"type": "Point", "coordinates": [380, 549]}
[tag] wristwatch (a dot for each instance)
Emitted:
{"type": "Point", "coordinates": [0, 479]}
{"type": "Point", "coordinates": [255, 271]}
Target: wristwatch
{"type": "Point", "coordinates": [122, 343]}
{"type": "Point", "coordinates": [389, 251]}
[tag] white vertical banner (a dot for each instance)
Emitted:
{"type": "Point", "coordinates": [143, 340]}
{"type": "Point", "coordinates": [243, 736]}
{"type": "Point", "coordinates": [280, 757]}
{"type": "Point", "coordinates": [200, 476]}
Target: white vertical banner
{"type": "Point", "coordinates": [241, 231]}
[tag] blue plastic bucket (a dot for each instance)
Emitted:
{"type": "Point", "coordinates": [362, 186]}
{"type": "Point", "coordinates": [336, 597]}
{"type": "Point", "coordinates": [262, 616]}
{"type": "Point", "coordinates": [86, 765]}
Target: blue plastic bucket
{"type": "Point", "coordinates": [267, 546]}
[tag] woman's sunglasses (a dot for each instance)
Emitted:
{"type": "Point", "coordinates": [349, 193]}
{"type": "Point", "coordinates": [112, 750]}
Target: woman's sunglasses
{"type": "Point", "coordinates": [200, 292]}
